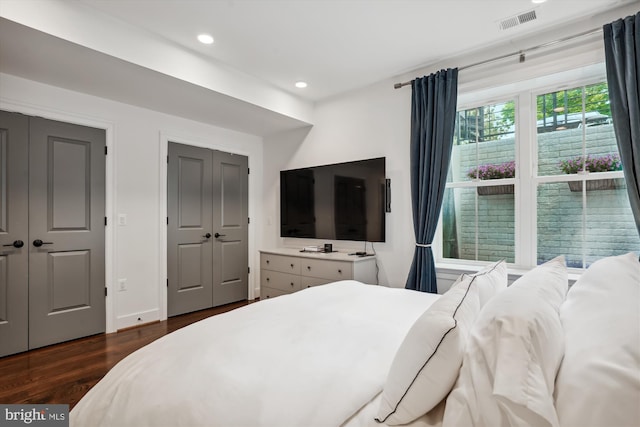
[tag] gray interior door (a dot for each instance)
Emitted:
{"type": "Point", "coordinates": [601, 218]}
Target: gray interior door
{"type": "Point", "coordinates": [207, 230]}
{"type": "Point", "coordinates": [230, 227]}
{"type": "Point", "coordinates": [66, 231]}
{"type": "Point", "coordinates": [189, 250]}
{"type": "Point", "coordinates": [14, 229]}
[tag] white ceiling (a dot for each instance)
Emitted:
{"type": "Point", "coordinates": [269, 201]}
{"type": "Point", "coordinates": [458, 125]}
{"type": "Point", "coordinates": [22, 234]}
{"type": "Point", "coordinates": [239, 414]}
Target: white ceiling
{"type": "Point", "coordinates": [145, 53]}
{"type": "Point", "coordinates": [37, 56]}
{"type": "Point", "coordinates": [338, 45]}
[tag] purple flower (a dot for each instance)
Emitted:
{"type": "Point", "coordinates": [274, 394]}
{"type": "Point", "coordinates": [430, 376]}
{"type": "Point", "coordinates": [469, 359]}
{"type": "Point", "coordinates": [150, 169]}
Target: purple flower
{"type": "Point", "coordinates": [609, 162]}
{"type": "Point", "coordinates": [500, 171]}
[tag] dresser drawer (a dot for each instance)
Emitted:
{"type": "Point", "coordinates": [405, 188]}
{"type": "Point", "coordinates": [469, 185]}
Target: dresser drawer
{"type": "Point", "coordinates": [287, 270]}
{"type": "Point", "coordinates": [271, 293]}
{"type": "Point", "coordinates": [280, 263]}
{"type": "Point", "coordinates": [308, 282]}
{"type": "Point", "coordinates": [283, 281]}
{"type": "Point", "coordinates": [331, 270]}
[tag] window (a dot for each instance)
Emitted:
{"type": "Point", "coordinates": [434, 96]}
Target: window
{"type": "Point", "coordinates": [537, 175]}
{"type": "Point", "coordinates": [483, 163]}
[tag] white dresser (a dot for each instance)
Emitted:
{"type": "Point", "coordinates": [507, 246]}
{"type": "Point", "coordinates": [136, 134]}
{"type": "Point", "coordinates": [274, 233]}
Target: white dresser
{"type": "Point", "coordinates": [283, 271]}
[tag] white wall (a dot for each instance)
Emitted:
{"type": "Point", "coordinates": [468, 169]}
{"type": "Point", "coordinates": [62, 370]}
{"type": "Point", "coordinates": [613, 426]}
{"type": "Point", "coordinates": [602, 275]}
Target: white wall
{"type": "Point", "coordinates": [365, 124]}
{"type": "Point", "coordinates": [135, 185]}
{"type": "Point", "coordinates": [375, 122]}
{"type": "Point", "coordinates": [371, 122]}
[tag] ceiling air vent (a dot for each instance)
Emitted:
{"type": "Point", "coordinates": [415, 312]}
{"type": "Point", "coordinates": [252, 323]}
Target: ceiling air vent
{"type": "Point", "coordinates": [520, 19]}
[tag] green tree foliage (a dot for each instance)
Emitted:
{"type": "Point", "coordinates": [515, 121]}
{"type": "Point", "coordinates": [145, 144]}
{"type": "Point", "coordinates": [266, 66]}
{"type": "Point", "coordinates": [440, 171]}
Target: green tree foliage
{"type": "Point", "coordinates": [492, 122]}
{"type": "Point", "coordinates": [570, 101]}
{"type": "Point", "coordinates": [486, 123]}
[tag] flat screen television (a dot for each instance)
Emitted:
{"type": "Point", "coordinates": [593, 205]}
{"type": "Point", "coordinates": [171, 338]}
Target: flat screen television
{"type": "Point", "coordinates": [342, 201]}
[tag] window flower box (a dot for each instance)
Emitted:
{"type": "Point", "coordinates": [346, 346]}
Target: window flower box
{"type": "Point", "coordinates": [501, 171]}
{"type": "Point", "coordinates": [495, 189]}
{"type": "Point", "coordinates": [588, 164]}
{"type": "Point", "coordinates": [600, 184]}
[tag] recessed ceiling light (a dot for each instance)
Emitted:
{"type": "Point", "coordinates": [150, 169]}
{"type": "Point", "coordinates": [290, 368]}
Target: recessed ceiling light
{"type": "Point", "coordinates": [301, 85]}
{"type": "Point", "coordinates": [205, 38]}
{"type": "Point", "coordinates": [538, 1]}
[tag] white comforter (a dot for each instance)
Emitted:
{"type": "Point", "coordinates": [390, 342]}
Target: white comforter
{"type": "Point", "coordinates": [312, 358]}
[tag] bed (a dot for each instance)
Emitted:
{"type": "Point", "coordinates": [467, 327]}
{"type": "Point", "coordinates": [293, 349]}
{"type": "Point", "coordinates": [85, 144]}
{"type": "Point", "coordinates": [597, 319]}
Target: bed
{"type": "Point", "coordinates": [354, 355]}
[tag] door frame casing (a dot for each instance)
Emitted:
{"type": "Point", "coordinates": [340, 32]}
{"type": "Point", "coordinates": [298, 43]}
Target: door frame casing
{"type": "Point", "coordinates": [110, 185]}
{"type": "Point", "coordinates": [165, 138]}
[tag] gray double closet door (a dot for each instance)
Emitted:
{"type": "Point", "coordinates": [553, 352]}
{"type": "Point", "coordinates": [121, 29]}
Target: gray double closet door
{"type": "Point", "coordinates": [52, 204]}
{"type": "Point", "coordinates": [207, 228]}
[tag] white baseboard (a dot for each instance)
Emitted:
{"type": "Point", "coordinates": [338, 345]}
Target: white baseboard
{"type": "Point", "coordinates": [137, 319]}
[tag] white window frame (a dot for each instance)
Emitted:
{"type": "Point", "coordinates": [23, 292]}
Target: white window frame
{"type": "Point", "coordinates": [484, 183]}
{"type": "Point", "coordinates": [526, 156]}
{"type": "Point", "coordinates": [546, 179]}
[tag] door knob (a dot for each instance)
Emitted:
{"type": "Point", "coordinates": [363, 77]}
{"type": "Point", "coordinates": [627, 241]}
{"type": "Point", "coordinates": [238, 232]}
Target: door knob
{"type": "Point", "coordinates": [207, 235]}
{"type": "Point", "coordinates": [37, 243]}
{"type": "Point", "coordinates": [218, 235]}
{"type": "Point", "coordinates": [16, 244]}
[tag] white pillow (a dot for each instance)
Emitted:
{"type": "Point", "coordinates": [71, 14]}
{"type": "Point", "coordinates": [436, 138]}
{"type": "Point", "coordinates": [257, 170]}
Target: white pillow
{"type": "Point", "coordinates": [491, 280]}
{"type": "Point", "coordinates": [514, 352]}
{"type": "Point", "coordinates": [427, 363]}
{"type": "Point", "coordinates": [599, 380]}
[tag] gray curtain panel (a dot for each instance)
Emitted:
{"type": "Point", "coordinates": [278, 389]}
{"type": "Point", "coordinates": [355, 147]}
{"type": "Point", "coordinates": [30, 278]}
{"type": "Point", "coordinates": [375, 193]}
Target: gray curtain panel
{"type": "Point", "coordinates": [433, 114]}
{"type": "Point", "coordinates": [622, 54]}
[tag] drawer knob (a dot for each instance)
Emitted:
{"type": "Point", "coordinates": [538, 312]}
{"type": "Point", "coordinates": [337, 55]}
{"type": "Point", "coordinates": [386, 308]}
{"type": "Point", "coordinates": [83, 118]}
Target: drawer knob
{"type": "Point", "coordinates": [267, 279]}
{"type": "Point", "coordinates": [340, 271]}
{"type": "Point", "coordinates": [267, 261]}
{"type": "Point", "coordinates": [308, 267]}
{"type": "Point", "coordinates": [291, 283]}
{"type": "Point", "coordinates": [291, 265]}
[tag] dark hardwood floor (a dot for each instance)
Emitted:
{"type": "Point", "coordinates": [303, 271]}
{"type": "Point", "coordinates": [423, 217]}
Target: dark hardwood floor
{"type": "Point", "coordinates": [63, 373]}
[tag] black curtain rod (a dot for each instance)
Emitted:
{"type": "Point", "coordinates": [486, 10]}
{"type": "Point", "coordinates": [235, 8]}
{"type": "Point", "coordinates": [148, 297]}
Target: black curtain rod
{"type": "Point", "coordinates": [520, 53]}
